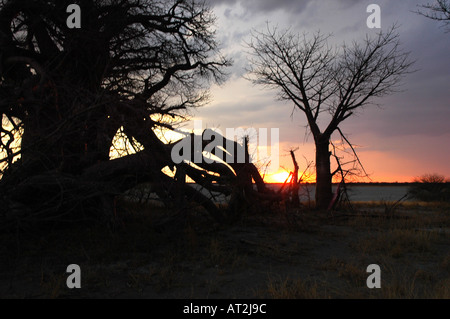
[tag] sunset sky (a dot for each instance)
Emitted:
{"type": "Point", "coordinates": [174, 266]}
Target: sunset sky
{"type": "Point", "coordinates": [406, 136]}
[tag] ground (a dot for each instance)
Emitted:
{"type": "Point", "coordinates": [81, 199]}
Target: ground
{"type": "Point", "coordinates": [280, 254]}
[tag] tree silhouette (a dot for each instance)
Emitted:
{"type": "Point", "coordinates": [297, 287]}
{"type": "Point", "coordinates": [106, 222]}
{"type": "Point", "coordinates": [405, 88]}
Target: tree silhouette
{"type": "Point", "coordinates": [321, 81]}
{"type": "Point", "coordinates": [133, 66]}
{"type": "Point", "coordinates": [439, 11]}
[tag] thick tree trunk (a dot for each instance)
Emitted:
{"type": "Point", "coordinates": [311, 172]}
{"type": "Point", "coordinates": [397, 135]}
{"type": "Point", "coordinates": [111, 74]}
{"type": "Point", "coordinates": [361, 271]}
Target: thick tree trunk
{"type": "Point", "coordinates": [53, 194]}
{"type": "Point", "coordinates": [323, 173]}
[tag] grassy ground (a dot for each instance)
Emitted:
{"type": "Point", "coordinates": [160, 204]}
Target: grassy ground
{"type": "Point", "coordinates": [295, 254]}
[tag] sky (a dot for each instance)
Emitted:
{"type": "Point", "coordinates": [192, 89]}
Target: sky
{"type": "Point", "coordinates": [405, 136]}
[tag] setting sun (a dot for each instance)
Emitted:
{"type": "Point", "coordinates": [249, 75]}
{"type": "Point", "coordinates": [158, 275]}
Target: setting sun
{"type": "Point", "coordinates": [279, 177]}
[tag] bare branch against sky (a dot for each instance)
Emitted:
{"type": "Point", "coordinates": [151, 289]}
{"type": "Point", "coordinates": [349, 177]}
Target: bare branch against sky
{"type": "Point", "coordinates": [438, 10]}
{"type": "Point", "coordinates": [319, 79]}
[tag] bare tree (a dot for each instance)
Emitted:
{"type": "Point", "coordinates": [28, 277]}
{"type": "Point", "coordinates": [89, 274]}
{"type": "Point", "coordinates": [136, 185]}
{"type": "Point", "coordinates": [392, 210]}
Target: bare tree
{"type": "Point", "coordinates": [439, 11]}
{"type": "Point", "coordinates": [328, 85]}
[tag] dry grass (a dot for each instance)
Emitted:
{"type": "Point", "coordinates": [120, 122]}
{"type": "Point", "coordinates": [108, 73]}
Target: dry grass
{"type": "Point", "coordinates": [287, 288]}
{"type": "Point", "coordinates": [399, 242]}
{"type": "Point", "coordinates": [409, 285]}
{"type": "Point", "coordinates": [317, 256]}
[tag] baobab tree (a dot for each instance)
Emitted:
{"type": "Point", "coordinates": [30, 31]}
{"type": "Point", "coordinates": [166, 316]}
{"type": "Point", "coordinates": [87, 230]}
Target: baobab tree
{"type": "Point", "coordinates": [133, 66]}
{"type": "Point", "coordinates": [326, 84]}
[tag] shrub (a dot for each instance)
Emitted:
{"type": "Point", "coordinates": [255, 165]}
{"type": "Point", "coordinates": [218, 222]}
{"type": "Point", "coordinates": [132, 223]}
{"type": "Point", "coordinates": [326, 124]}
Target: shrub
{"type": "Point", "coordinates": [430, 188]}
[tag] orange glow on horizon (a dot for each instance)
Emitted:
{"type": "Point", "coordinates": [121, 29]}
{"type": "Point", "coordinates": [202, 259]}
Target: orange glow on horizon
{"type": "Point", "coordinates": [281, 176]}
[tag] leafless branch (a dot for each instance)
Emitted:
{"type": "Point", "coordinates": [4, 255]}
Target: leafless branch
{"type": "Point", "coordinates": [439, 11]}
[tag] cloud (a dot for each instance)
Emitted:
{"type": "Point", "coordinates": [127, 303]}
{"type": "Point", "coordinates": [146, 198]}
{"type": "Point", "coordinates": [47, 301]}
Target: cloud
{"type": "Point", "coordinates": [291, 7]}
{"type": "Point", "coordinates": [262, 6]}
{"type": "Point", "coordinates": [423, 105]}
{"type": "Point", "coordinates": [411, 125]}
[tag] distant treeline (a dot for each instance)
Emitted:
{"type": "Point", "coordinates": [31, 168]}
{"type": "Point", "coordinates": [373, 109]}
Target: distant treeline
{"type": "Point", "coordinates": [383, 184]}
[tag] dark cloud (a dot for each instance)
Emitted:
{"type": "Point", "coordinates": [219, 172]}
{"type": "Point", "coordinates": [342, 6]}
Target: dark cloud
{"type": "Point", "coordinates": [423, 106]}
{"type": "Point", "coordinates": [410, 126]}
{"type": "Point", "coordinates": [266, 6]}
